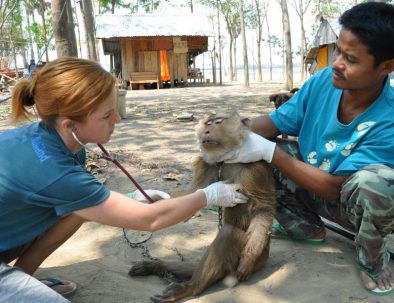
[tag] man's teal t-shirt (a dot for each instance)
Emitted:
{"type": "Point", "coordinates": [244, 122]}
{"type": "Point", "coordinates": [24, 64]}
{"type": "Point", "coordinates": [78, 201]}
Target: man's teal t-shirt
{"type": "Point", "coordinates": [311, 114]}
{"type": "Point", "coordinates": [40, 181]}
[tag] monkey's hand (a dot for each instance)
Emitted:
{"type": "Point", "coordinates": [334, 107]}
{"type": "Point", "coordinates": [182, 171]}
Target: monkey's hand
{"type": "Point", "coordinates": [154, 194]}
{"type": "Point", "coordinates": [222, 194]}
{"type": "Point", "coordinates": [254, 148]}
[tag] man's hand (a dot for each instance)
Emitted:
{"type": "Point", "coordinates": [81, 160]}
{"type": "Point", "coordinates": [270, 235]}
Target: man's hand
{"type": "Point", "coordinates": [154, 194]}
{"type": "Point", "coordinates": [222, 194]}
{"type": "Point", "coordinates": [255, 148]}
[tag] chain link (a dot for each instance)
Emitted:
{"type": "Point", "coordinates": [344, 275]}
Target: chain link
{"type": "Point", "coordinates": [220, 209]}
{"type": "Point", "coordinates": [220, 217]}
{"type": "Point", "coordinates": [145, 251]}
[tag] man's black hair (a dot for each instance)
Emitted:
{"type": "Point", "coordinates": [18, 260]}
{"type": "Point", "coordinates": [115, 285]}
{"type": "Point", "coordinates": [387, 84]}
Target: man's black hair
{"type": "Point", "coordinates": [373, 24]}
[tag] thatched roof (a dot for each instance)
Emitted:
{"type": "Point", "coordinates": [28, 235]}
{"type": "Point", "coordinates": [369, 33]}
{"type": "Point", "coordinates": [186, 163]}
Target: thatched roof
{"type": "Point", "coordinates": [327, 33]}
{"type": "Point", "coordinates": [151, 25]}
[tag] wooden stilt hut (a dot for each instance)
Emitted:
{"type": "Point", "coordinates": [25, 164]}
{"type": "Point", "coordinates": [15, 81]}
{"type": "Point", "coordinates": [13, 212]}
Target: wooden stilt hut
{"type": "Point", "coordinates": [153, 49]}
{"type": "Point", "coordinates": [322, 52]}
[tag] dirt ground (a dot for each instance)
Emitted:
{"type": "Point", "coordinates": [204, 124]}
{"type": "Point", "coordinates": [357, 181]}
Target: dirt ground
{"type": "Point", "coordinates": [157, 150]}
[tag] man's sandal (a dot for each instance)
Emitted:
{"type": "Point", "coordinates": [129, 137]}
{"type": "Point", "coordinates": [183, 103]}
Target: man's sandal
{"type": "Point", "coordinates": [281, 234]}
{"type": "Point", "coordinates": [53, 282]}
{"type": "Point", "coordinates": [376, 291]}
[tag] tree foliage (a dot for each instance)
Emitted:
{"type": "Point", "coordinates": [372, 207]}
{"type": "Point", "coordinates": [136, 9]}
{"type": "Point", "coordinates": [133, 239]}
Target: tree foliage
{"type": "Point", "coordinates": [12, 41]}
{"type": "Point", "coordinates": [332, 8]}
{"type": "Point", "coordinates": [131, 7]}
{"type": "Point", "coordinates": [40, 35]}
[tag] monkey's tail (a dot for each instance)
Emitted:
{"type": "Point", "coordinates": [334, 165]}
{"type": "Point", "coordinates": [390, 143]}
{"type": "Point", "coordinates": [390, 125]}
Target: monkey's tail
{"type": "Point", "coordinates": [230, 281]}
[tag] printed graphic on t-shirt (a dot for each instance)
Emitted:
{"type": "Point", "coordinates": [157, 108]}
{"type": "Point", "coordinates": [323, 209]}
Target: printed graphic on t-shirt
{"type": "Point", "coordinates": [348, 149]}
{"type": "Point", "coordinates": [325, 165]}
{"type": "Point", "coordinates": [333, 145]}
{"type": "Point", "coordinates": [364, 127]}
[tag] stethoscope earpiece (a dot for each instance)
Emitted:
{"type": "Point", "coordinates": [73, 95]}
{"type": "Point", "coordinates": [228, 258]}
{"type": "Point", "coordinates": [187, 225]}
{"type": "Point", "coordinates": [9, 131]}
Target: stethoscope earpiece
{"type": "Point", "coordinates": [75, 137]}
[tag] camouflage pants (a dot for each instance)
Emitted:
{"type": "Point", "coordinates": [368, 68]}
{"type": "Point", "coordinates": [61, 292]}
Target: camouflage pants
{"type": "Point", "coordinates": [365, 206]}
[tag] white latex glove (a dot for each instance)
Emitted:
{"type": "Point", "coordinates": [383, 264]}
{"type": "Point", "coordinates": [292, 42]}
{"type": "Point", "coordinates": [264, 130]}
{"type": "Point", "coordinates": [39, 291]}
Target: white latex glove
{"type": "Point", "coordinates": [222, 194]}
{"type": "Point", "coordinates": [153, 193]}
{"type": "Point", "coordinates": [255, 148]}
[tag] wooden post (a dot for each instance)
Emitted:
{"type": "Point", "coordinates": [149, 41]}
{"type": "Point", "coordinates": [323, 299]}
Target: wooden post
{"type": "Point", "coordinates": [158, 70]}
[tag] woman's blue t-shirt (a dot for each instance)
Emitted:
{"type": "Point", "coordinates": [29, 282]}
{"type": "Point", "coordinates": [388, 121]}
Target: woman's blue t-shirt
{"type": "Point", "coordinates": [311, 114]}
{"type": "Point", "coordinates": [40, 181]}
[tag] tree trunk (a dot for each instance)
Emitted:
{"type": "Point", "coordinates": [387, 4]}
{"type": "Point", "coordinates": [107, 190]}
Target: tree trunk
{"type": "Point", "coordinates": [231, 69]}
{"type": "Point", "coordinates": [231, 47]}
{"type": "Point", "coordinates": [88, 19]}
{"type": "Point", "coordinates": [29, 34]}
{"type": "Point", "coordinates": [259, 34]}
{"type": "Point", "coordinates": [283, 58]}
{"type": "Point", "coordinates": [301, 10]}
{"type": "Point", "coordinates": [78, 36]}
{"type": "Point", "coordinates": [235, 60]}
{"type": "Point", "coordinates": [24, 51]}
{"type": "Point", "coordinates": [303, 48]}
{"type": "Point", "coordinates": [63, 28]}
{"type": "Point", "coordinates": [259, 65]}
{"type": "Point", "coordinates": [245, 46]}
{"type": "Point", "coordinates": [42, 13]}
{"type": "Point", "coordinates": [39, 55]}
{"type": "Point", "coordinates": [269, 46]}
{"type": "Point", "coordinates": [14, 54]}
{"type": "Point", "coordinates": [303, 41]}
{"type": "Point", "coordinates": [287, 42]}
{"type": "Point", "coordinates": [213, 58]}
{"type": "Point", "coordinates": [220, 45]}
{"type": "Point", "coordinates": [113, 2]}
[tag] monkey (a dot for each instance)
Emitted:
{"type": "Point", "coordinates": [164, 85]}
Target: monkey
{"type": "Point", "coordinates": [280, 98]}
{"type": "Point", "coordinates": [241, 246]}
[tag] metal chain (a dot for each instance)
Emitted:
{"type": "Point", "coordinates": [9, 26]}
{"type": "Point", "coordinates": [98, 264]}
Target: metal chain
{"type": "Point", "coordinates": [220, 217]}
{"type": "Point", "coordinates": [145, 251]}
{"type": "Point", "coordinates": [220, 209]}
{"type": "Point", "coordinates": [107, 156]}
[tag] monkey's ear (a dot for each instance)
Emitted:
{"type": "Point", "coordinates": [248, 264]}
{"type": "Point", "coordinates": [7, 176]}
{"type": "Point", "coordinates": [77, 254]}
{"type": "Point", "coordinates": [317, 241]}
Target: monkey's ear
{"type": "Point", "coordinates": [235, 117]}
{"type": "Point", "coordinates": [209, 116]}
{"type": "Point", "coordinates": [247, 122]}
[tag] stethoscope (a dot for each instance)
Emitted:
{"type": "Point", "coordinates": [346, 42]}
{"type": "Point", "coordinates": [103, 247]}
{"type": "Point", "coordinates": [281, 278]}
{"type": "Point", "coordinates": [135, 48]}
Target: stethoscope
{"type": "Point", "coordinates": [106, 156]}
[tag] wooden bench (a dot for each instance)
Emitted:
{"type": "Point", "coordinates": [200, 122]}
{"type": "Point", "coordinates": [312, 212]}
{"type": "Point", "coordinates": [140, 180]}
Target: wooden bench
{"type": "Point", "coordinates": [199, 78]}
{"type": "Point", "coordinates": [144, 77]}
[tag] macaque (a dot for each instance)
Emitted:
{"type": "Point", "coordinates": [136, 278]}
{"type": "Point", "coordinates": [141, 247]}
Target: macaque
{"type": "Point", "coordinates": [241, 246]}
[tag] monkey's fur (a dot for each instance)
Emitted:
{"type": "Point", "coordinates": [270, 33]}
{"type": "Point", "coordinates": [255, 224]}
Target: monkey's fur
{"type": "Point", "coordinates": [241, 246]}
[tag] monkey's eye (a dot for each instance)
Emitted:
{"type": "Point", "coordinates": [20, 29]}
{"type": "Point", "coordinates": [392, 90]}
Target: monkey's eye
{"type": "Point", "coordinates": [209, 122]}
{"type": "Point", "coordinates": [218, 121]}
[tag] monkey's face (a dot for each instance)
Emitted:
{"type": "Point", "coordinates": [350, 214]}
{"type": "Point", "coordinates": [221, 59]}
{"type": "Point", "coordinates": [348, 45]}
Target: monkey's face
{"type": "Point", "coordinates": [219, 134]}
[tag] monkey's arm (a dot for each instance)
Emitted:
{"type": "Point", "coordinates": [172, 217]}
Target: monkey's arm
{"type": "Point", "coordinates": [202, 177]}
{"type": "Point", "coordinates": [258, 235]}
{"type": "Point", "coordinates": [204, 174]}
